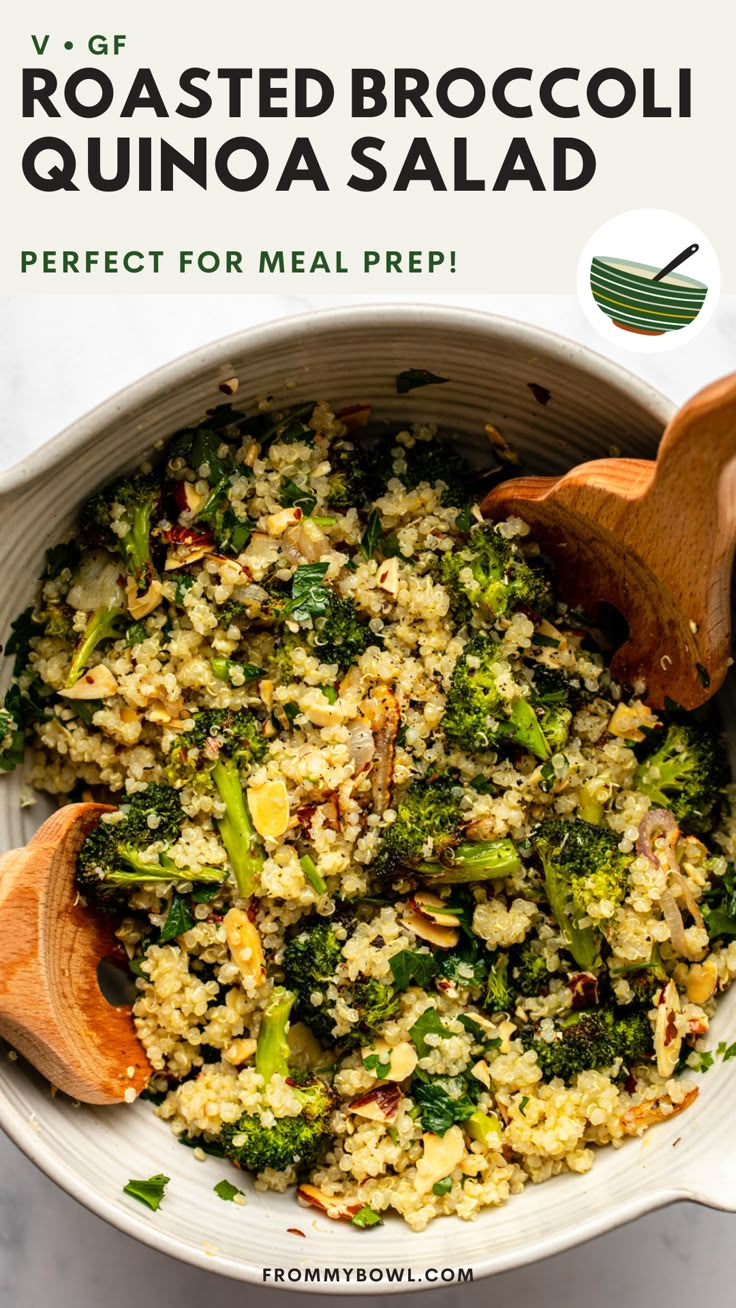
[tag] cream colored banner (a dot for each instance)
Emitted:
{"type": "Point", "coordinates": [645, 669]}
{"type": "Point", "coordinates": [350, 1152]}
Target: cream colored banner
{"type": "Point", "coordinates": [517, 237]}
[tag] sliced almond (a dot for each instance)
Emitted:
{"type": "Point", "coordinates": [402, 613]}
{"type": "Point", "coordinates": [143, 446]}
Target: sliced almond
{"type": "Point", "coordinates": [702, 979]}
{"type": "Point", "coordinates": [269, 808]}
{"type": "Point", "coordinates": [162, 711]}
{"type": "Point", "coordinates": [309, 540]}
{"type": "Point", "coordinates": [278, 523]}
{"type": "Point", "coordinates": [244, 943]}
{"type": "Point", "coordinates": [628, 719]}
{"type": "Point", "coordinates": [98, 683]}
{"type": "Point", "coordinates": [482, 1073]}
{"type": "Point", "coordinates": [187, 498]}
{"type": "Point", "coordinates": [239, 1051]}
{"type": "Point", "coordinates": [231, 571]}
{"type": "Point", "coordinates": [388, 576]}
{"type": "Point", "coordinates": [229, 386]}
{"type": "Point", "coordinates": [433, 908]}
{"type": "Point", "coordinates": [443, 937]}
{"type": "Point", "coordinates": [379, 1105]}
{"type": "Point", "coordinates": [401, 1058]}
{"type": "Point", "coordinates": [667, 1039]}
{"type": "Point", "coordinates": [442, 1154]}
{"type": "Point", "coordinates": [139, 606]}
{"type": "Point", "coordinates": [334, 1206]}
{"type": "Point", "coordinates": [182, 555]}
{"type": "Point", "coordinates": [316, 706]}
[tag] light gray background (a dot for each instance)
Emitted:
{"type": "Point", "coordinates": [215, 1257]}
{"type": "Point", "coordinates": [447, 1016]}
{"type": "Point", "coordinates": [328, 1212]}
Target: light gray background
{"type": "Point", "coordinates": [58, 358]}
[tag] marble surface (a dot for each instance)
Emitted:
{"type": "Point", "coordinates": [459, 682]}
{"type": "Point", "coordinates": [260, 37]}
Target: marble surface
{"type": "Point", "coordinates": [59, 356]}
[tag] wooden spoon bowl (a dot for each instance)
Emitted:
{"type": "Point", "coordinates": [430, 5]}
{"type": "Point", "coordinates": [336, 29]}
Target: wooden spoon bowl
{"type": "Point", "coordinates": [51, 1007]}
{"type": "Point", "coordinates": [653, 539]}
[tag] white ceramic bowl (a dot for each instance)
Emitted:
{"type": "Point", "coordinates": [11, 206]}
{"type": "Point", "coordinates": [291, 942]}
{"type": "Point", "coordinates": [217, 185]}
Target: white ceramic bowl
{"type": "Point", "coordinates": [346, 356]}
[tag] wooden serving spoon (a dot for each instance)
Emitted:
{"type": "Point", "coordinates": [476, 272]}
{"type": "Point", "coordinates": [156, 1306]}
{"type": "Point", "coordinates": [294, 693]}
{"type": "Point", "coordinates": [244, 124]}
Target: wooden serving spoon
{"type": "Point", "coordinates": [51, 1007]}
{"type": "Point", "coordinates": [655, 541]}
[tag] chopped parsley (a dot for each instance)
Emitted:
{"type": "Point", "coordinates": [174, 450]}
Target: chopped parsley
{"type": "Point", "coordinates": [365, 1218]}
{"type": "Point", "coordinates": [226, 1190]}
{"type": "Point", "coordinates": [149, 1192]}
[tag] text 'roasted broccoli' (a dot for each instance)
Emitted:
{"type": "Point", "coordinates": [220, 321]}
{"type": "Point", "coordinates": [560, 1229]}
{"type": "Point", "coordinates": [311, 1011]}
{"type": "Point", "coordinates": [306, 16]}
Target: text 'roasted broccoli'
{"type": "Point", "coordinates": [212, 754]}
{"type": "Point", "coordinates": [293, 1141]}
{"type": "Point", "coordinates": [112, 858]}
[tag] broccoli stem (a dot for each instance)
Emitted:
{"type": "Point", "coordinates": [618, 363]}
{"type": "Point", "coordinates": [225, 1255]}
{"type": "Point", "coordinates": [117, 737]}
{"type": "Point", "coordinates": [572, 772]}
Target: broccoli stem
{"type": "Point", "coordinates": [581, 941]}
{"type": "Point", "coordinates": [165, 869]}
{"type": "Point", "coordinates": [237, 830]}
{"type": "Point", "coordinates": [272, 1048]}
{"type": "Point", "coordinates": [589, 808]}
{"type": "Point", "coordinates": [101, 626]}
{"type": "Point", "coordinates": [482, 861]}
{"type": "Point", "coordinates": [527, 730]}
{"type": "Point", "coordinates": [137, 543]}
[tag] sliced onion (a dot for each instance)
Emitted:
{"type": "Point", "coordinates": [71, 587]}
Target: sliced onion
{"type": "Point", "coordinates": [689, 897]}
{"type": "Point", "coordinates": [360, 745]}
{"type": "Point", "coordinates": [658, 821]}
{"type": "Point", "coordinates": [382, 711]}
{"type": "Point", "coordinates": [673, 918]}
{"type": "Point", "coordinates": [292, 551]}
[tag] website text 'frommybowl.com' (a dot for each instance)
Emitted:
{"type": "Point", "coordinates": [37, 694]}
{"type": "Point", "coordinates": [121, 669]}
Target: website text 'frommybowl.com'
{"type": "Point", "coordinates": [366, 1275]}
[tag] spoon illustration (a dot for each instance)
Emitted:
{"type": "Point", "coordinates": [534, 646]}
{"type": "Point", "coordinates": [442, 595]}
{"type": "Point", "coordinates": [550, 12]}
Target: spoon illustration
{"type": "Point", "coordinates": [675, 263]}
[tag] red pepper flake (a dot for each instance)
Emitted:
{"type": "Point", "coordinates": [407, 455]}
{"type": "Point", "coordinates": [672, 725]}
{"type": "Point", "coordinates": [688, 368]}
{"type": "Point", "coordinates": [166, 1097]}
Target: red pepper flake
{"type": "Point", "coordinates": [677, 1141]}
{"type": "Point", "coordinates": [540, 393]}
{"type": "Point", "coordinates": [294, 1230]}
{"type": "Point", "coordinates": [671, 1029]}
{"type": "Point", "coordinates": [630, 1084]}
{"type": "Point", "coordinates": [178, 535]}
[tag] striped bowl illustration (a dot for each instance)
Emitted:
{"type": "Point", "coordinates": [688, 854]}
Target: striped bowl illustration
{"type": "Point", "coordinates": [627, 293]}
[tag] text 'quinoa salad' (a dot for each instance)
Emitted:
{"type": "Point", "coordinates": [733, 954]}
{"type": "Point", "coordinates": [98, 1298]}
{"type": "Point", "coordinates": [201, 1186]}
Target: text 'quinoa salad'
{"type": "Point", "coordinates": [420, 904]}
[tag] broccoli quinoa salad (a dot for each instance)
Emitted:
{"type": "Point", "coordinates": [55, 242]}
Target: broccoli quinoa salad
{"type": "Point", "coordinates": [420, 904]}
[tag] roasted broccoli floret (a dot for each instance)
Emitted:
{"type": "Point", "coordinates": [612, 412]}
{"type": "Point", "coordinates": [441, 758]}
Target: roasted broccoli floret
{"type": "Point", "coordinates": [212, 754]}
{"type": "Point", "coordinates": [426, 839]}
{"type": "Point", "coordinates": [119, 517]}
{"type": "Point", "coordinates": [375, 1003]}
{"type": "Point", "coordinates": [499, 996]}
{"type": "Point", "coordinates": [686, 774]}
{"type": "Point", "coordinates": [582, 865]}
{"type": "Point", "coordinates": [480, 716]}
{"type": "Point", "coordinates": [594, 1039]}
{"type": "Point", "coordinates": [103, 624]}
{"type": "Point", "coordinates": [341, 636]}
{"type": "Point", "coordinates": [57, 618]}
{"type": "Point", "coordinates": [347, 482]}
{"type": "Point", "coordinates": [529, 972]}
{"type": "Point", "coordinates": [489, 576]}
{"type": "Point", "coordinates": [112, 858]}
{"type": "Point", "coordinates": [289, 1141]}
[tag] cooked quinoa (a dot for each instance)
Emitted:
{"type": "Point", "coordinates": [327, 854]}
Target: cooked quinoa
{"type": "Point", "coordinates": [459, 1035]}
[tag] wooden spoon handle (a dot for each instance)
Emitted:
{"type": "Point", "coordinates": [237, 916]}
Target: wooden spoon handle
{"type": "Point", "coordinates": [51, 1006]}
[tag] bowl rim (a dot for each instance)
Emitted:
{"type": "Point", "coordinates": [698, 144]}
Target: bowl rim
{"type": "Point", "coordinates": [74, 438]}
{"type": "Point", "coordinates": [21, 475]}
